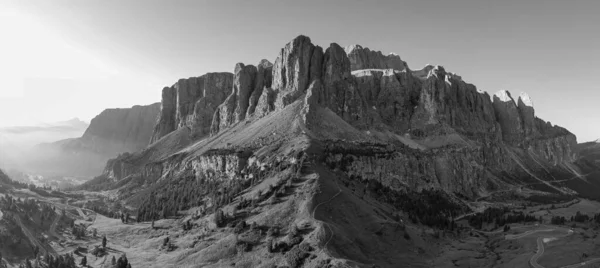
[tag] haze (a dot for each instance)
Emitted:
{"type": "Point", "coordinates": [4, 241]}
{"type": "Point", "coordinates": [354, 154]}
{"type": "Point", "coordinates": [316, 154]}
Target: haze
{"type": "Point", "coordinates": [65, 59]}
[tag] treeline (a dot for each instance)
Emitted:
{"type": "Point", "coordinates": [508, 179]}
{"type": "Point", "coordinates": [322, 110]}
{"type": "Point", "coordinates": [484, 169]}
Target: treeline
{"type": "Point", "coordinates": [30, 207]}
{"type": "Point", "coordinates": [167, 199]}
{"type": "Point", "coordinates": [578, 217]}
{"type": "Point", "coordinates": [500, 217]}
{"type": "Point", "coordinates": [429, 207]}
{"type": "Point", "coordinates": [62, 261]}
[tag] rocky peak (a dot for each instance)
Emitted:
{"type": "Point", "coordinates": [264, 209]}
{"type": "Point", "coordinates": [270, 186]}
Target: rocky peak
{"type": "Point", "coordinates": [291, 70]}
{"type": "Point", "coordinates": [234, 108]}
{"type": "Point", "coordinates": [448, 102]}
{"type": "Point", "coordinates": [129, 127]}
{"type": "Point", "coordinates": [191, 103]}
{"type": "Point", "coordinates": [525, 99]}
{"type": "Point", "coordinates": [423, 73]}
{"type": "Point", "coordinates": [508, 117]}
{"type": "Point", "coordinates": [438, 71]}
{"type": "Point", "coordinates": [264, 78]}
{"type": "Point", "coordinates": [363, 58]}
{"type": "Point", "coordinates": [335, 77]}
{"type": "Point", "coordinates": [527, 113]}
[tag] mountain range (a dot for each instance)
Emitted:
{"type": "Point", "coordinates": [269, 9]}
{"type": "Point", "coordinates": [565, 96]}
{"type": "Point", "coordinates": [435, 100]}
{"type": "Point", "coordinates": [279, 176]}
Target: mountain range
{"type": "Point", "coordinates": [358, 159]}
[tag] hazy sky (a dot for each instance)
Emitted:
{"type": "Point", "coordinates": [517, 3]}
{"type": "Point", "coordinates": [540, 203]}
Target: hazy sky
{"type": "Point", "coordinates": [64, 59]}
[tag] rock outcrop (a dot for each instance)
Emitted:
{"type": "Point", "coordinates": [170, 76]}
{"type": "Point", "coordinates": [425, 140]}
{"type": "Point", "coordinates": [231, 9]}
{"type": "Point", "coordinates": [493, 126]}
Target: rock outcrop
{"type": "Point", "coordinates": [264, 79]}
{"type": "Point", "coordinates": [447, 102]}
{"type": "Point", "coordinates": [121, 130]}
{"type": "Point", "coordinates": [292, 72]}
{"type": "Point", "coordinates": [191, 103]}
{"type": "Point", "coordinates": [527, 114]}
{"type": "Point", "coordinates": [249, 83]}
{"type": "Point", "coordinates": [508, 117]}
{"type": "Point", "coordinates": [363, 58]}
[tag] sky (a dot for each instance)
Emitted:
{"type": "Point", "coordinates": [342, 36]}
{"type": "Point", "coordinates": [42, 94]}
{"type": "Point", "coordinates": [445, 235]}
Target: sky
{"type": "Point", "coordinates": [62, 59]}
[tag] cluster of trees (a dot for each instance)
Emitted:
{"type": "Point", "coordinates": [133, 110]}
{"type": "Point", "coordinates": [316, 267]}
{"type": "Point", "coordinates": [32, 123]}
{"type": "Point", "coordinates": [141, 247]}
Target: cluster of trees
{"type": "Point", "coordinates": [580, 217]}
{"type": "Point", "coordinates": [125, 217]}
{"type": "Point", "coordinates": [62, 261]}
{"type": "Point", "coordinates": [78, 231]}
{"type": "Point", "coordinates": [500, 217]}
{"type": "Point", "coordinates": [430, 207]}
{"type": "Point", "coordinates": [166, 199]}
{"type": "Point", "coordinates": [558, 220]}
{"type": "Point", "coordinates": [38, 212]}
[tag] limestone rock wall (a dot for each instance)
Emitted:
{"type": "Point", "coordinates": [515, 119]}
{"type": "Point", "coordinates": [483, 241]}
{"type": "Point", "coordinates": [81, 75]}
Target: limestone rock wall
{"type": "Point", "coordinates": [191, 103]}
{"type": "Point", "coordinates": [363, 58]}
{"type": "Point", "coordinates": [119, 130]}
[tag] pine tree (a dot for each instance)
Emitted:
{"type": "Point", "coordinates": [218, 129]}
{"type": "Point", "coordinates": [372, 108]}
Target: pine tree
{"type": "Point", "coordinates": [84, 261]}
{"type": "Point", "coordinates": [104, 241]}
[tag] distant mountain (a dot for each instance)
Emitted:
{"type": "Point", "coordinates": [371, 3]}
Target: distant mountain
{"type": "Point", "coordinates": [73, 125]}
{"type": "Point", "coordinates": [112, 132]}
{"type": "Point", "coordinates": [17, 141]}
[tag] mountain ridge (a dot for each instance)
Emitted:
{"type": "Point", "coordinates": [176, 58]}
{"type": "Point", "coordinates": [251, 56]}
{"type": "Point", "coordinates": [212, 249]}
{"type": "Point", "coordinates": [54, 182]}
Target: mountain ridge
{"type": "Point", "coordinates": [402, 107]}
{"type": "Point", "coordinates": [110, 133]}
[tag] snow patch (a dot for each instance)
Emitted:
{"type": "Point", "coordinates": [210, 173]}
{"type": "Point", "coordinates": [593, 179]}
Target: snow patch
{"type": "Point", "coordinates": [351, 48]}
{"type": "Point", "coordinates": [503, 95]}
{"type": "Point", "coordinates": [549, 239]}
{"type": "Point", "coordinates": [526, 99]}
{"type": "Point", "coordinates": [597, 141]}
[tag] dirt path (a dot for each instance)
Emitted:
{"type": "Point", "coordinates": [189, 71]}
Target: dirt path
{"type": "Point", "coordinates": [52, 230]}
{"type": "Point", "coordinates": [516, 159]}
{"type": "Point", "coordinates": [325, 223]}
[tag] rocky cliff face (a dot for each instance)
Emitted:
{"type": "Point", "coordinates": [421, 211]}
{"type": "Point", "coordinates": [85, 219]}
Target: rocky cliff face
{"type": "Point", "coordinates": [249, 82]}
{"type": "Point", "coordinates": [461, 140]}
{"type": "Point", "coordinates": [446, 101]}
{"type": "Point", "coordinates": [191, 103]}
{"type": "Point", "coordinates": [363, 58]}
{"type": "Point", "coordinates": [122, 130]}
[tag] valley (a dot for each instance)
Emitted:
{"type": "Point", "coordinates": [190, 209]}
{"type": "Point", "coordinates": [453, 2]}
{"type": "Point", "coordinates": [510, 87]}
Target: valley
{"type": "Point", "coordinates": [326, 157]}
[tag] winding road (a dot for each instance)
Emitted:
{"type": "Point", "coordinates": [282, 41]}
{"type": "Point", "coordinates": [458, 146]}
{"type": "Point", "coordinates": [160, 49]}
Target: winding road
{"type": "Point", "coordinates": [533, 261]}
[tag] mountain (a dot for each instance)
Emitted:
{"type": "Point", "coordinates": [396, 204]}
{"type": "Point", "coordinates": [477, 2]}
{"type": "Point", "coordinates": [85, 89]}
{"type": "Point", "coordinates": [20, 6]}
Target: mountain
{"type": "Point", "coordinates": [16, 141]}
{"type": "Point", "coordinates": [374, 142]}
{"type": "Point", "coordinates": [112, 132]}
{"type": "Point", "coordinates": [73, 125]}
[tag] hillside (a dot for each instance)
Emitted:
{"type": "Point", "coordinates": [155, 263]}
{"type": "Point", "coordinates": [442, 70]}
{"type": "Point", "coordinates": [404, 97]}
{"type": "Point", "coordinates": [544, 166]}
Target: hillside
{"type": "Point", "coordinates": [366, 163]}
{"type": "Point", "coordinates": [112, 132]}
